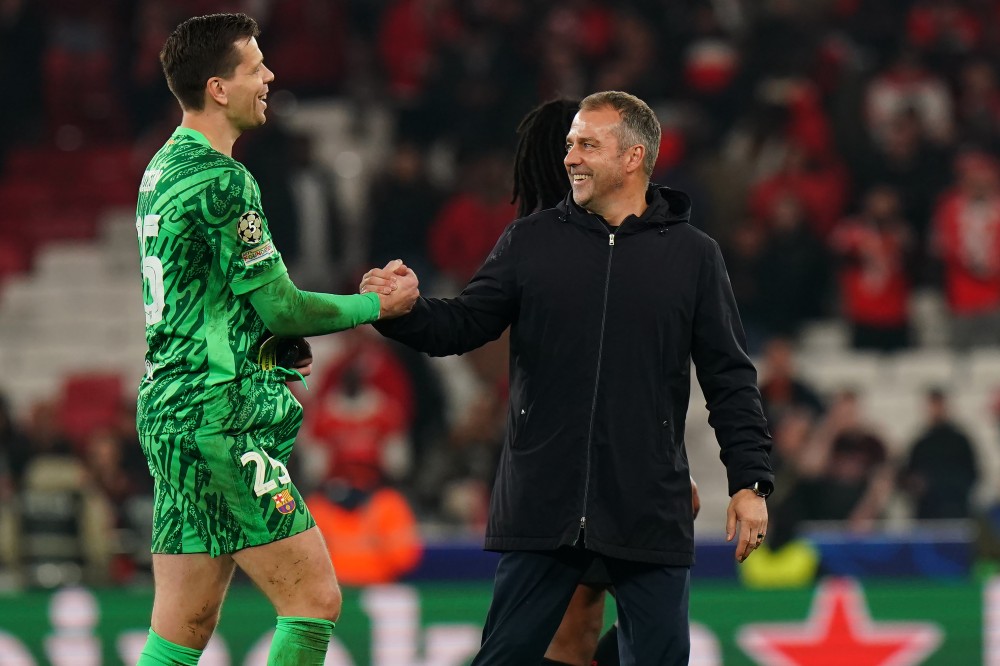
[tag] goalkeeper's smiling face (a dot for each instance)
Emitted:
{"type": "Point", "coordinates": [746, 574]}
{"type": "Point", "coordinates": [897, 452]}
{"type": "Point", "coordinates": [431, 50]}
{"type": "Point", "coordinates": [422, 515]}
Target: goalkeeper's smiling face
{"type": "Point", "coordinates": [246, 89]}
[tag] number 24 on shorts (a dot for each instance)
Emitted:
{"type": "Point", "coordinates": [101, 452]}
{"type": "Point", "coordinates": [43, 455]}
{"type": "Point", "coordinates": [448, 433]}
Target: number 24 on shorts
{"type": "Point", "coordinates": [260, 485]}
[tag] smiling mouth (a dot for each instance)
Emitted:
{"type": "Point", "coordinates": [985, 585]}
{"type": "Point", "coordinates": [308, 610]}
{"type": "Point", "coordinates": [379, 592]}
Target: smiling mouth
{"type": "Point", "coordinates": [580, 177]}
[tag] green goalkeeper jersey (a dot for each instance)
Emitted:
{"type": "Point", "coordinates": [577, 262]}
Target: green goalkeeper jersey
{"type": "Point", "coordinates": [205, 246]}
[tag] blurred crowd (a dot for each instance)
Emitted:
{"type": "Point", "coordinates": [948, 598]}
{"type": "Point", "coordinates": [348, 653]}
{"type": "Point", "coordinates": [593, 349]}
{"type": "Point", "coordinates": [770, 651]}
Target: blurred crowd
{"type": "Point", "coordinates": [845, 154]}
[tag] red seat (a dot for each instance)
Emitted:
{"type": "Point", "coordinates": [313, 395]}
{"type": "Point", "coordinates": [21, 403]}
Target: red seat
{"type": "Point", "coordinates": [89, 402]}
{"type": "Point", "coordinates": [26, 197]}
{"type": "Point", "coordinates": [15, 257]}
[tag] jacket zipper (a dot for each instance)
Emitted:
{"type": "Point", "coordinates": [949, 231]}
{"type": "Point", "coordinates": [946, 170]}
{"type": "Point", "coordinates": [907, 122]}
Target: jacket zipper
{"type": "Point", "coordinates": [597, 382]}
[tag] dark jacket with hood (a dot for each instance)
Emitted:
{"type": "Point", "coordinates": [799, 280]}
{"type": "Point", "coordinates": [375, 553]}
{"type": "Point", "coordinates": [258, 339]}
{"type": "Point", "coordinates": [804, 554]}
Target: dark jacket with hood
{"type": "Point", "coordinates": [604, 324]}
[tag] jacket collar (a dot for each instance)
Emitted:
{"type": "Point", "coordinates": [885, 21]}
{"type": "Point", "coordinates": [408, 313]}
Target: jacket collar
{"type": "Point", "coordinates": [666, 207]}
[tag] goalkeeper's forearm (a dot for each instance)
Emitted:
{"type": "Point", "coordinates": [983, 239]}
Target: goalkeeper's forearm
{"type": "Point", "coordinates": [288, 311]}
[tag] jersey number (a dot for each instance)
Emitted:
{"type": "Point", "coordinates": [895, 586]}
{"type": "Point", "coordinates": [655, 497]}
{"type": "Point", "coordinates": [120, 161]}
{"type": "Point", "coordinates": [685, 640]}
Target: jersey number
{"type": "Point", "coordinates": [260, 486]}
{"type": "Point", "coordinates": [152, 268]}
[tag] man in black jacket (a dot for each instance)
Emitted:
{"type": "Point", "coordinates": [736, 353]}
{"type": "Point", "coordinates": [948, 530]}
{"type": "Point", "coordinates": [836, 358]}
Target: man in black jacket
{"type": "Point", "coordinates": [609, 296]}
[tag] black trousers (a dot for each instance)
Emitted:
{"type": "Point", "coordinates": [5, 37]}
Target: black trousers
{"type": "Point", "coordinates": [532, 590]}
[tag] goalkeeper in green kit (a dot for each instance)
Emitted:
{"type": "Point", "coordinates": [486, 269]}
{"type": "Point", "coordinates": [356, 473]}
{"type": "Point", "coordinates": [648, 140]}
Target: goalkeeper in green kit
{"type": "Point", "coordinates": [224, 324]}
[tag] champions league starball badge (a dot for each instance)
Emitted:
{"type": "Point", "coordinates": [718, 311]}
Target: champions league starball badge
{"type": "Point", "coordinates": [250, 229]}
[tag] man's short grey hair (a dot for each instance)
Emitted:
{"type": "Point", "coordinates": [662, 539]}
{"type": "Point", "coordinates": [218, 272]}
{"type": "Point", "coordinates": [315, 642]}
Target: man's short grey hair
{"type": "Point", "coordinates": [638, 126]}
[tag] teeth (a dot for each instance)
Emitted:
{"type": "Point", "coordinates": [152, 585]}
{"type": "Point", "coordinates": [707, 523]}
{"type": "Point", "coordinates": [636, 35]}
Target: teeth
{"type": "Point", "coordinates": [578, 177]}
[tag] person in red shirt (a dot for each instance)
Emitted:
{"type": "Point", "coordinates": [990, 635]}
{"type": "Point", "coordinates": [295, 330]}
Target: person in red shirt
{"type": "Point", "coordinates": [874, 249]}
{"type": "Point", "coordinates": [469, 223]}
{"type": "Point", "coordinates": [967, 240]}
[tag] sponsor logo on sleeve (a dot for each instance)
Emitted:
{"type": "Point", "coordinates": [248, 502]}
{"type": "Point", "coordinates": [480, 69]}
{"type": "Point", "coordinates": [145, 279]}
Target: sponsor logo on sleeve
{"type": "Point", "coordinates": [258, 254]}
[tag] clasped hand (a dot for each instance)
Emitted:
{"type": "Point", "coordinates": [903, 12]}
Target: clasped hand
{"type": "Point", "coordinates": [397, 287]}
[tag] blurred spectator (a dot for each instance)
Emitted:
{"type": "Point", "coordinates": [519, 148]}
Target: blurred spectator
{"type": "Point", "coordinates": [455, 481]}
{"type": "Point", "coordinates": [150, 25]}
{"type": "Point", "coordinates": [301, 203]}
{"type": "Point", "coordinates": [793, 271]}
{"type": "Point", "coordinates": [979, 105]}
{"type": "Point", "coordinates": [874, 250]}
{"type": "Point", "coordinates": [945, 31]}
{"type": "Point", "coordinates": [574, 37]}
{"type": "Point", "coordinates": [402, 203]}
{"type": "Point", "coordinates": [22, 49]}
{"type": "Point", "coordinates": [758, 144]}
{"type": "Point", "coordinates": [369, 528]}
{"type": "Point", "coordinates": [907, 84]}
{"type": "Point", "coordinates": [364, 409]}
{"type": "Point", "coordinates": [411, 32]}
{"type": "Point", "coordinates": [428, 424]}
{"type": "Point", "coordinates": [941, 471]}
{"type": "Point", "coordinates": [909, 164]}
{"type": "Point", "coordinates": [967, 240]}
{"type": "Point", "coordinates": [872, 25]}
{"type": "Point", "coordinates": [781, 388]}
{"type": "Point", "coordinates": [742, 253]}
{"type": "Point", "coordinates": [632, 62]}
{"type": "Point", "coordinates": [42, 437]}
{"type": "Point", "coordinates": [470, 222]}
{"type": "Point", "coordinates": [104, 459]}
{"type": "Point", "coordinates": [820, 189]}
{"type": "Point", "coordinates": [792, 435]}
{"type": "Point", "coordinates": [134, 464]}
{"type": "Point", "coordinates": [13, 451]}
{"type": "Point", "coordinates": [307, 42]}
{"type": "Point", "coordinates": [845, 473]}
{"type": "Point", "coordinates": [710, 64]}
{"type": "Point", "coordinates": [484, 81]}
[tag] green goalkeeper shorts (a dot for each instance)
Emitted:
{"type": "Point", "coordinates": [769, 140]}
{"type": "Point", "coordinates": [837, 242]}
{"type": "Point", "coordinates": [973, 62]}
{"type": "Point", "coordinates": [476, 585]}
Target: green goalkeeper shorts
{"type": "Point", "coordinates": [225, 486]}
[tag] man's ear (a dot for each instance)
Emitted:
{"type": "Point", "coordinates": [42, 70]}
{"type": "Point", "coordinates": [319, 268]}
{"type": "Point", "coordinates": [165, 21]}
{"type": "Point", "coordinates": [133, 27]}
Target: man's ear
{"type": "Point", "coordinates": [215, 89]}
{"type": "Point", "coordinates": [636, 157]}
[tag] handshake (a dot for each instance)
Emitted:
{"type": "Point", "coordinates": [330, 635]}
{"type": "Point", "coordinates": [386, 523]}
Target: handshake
{"type": "Point", "coordinates": [397, 287]}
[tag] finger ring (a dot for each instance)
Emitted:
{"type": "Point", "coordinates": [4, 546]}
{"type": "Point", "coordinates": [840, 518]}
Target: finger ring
{"type": "Point", "coordinates": [760, 537]}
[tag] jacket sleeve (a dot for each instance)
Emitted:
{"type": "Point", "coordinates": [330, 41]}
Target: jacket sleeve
{"type": "Point", "coordinates": [728, 378]}
{"type": "Point", "coordinates": [484, 309]}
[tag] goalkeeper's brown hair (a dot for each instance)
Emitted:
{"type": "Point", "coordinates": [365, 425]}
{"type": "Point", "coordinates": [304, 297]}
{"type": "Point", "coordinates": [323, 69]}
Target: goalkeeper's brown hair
{"type": "Point", "coordinates": [200, 48]}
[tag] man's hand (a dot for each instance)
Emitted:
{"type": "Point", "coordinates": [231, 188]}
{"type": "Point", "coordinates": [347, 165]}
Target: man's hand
{"type": "Point", "coordinates": [385, 280]}
{"type": "Point", "coordinates": [397, 287]}
{"type": "Point", "coordinates": [750, 511]}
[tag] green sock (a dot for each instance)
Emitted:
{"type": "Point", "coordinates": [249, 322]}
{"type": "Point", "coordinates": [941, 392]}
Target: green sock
{"type": "Point", "coordinates": [300, 641]}
{"type": "Point", "coordinates": [161, 652]}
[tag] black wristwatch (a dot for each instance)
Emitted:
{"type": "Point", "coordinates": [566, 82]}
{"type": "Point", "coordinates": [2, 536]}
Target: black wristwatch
{"type": "Point", "coordinates": [762, 488]}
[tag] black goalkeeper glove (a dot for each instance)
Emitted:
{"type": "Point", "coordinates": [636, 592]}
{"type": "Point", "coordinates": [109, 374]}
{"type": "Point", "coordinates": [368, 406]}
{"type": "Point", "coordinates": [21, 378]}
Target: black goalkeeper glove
{"type": "Point", "coordinates": [278, 352]}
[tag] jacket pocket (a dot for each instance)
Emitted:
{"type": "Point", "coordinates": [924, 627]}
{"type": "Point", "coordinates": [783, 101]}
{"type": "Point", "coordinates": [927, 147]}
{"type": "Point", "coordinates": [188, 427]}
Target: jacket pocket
{"type": "Point", "coordinates": [665, 450]}
{"type": "Point", "coordinates": [519, 419]}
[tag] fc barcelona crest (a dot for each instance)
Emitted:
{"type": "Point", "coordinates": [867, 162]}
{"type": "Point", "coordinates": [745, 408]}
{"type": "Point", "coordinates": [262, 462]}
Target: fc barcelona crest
{"type": "Point", "coordinates": [284, 502]}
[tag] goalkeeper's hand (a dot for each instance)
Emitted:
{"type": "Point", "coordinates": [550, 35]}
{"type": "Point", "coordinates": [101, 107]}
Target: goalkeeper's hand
{"type": "Point", "coordinates": [292, 353]}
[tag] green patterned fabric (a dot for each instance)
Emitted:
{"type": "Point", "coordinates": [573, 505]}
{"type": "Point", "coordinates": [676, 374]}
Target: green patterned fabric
{"type": "Point", "coordinates": [204, 244]}
{"type": "Point", "coordinates": [217, 430]}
